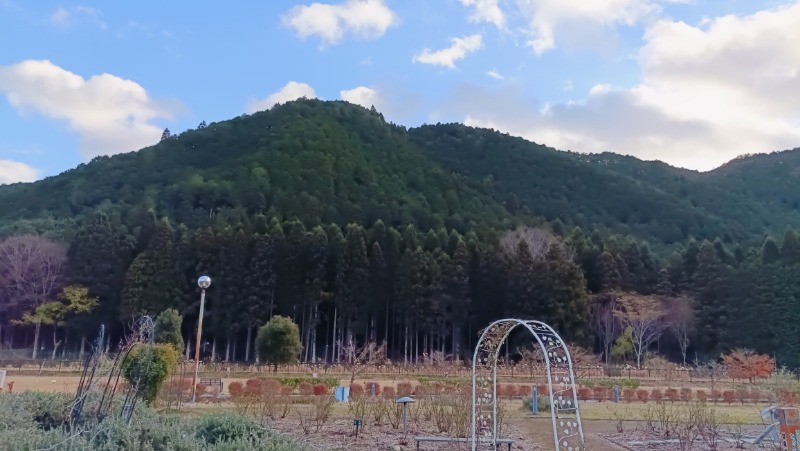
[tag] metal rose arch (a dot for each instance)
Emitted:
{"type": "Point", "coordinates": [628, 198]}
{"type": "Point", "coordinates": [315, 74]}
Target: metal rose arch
{"type": "Point", "coordinates": [564, 411]}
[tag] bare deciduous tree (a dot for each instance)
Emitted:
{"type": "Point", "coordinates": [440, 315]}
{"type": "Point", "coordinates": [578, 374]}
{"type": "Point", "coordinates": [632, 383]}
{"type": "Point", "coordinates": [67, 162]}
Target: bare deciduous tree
{"type": "Point", "coordinates": [357, 358]}
{"type": "Point", "coordinates": [680, 318]}
{"type": "Point", "coordinates": [605, 321]}
{"type": "Point", "coordinates": [538, 241]}
{"type": "Point", "coordinates": [30, 272]}
{"type": "Point", "coordinates": [645, 318]}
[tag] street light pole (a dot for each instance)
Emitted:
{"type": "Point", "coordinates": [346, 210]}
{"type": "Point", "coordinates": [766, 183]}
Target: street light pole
{"type": "Point", "coordinates": [203, 282]}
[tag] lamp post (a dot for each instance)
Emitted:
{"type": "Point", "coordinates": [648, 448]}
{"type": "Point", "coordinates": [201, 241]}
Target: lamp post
{"type": "Point", "coordinates": [203, 282]}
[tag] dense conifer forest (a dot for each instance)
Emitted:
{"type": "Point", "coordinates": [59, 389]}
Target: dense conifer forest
{"type": "Point", "coordinates": [363, 230]}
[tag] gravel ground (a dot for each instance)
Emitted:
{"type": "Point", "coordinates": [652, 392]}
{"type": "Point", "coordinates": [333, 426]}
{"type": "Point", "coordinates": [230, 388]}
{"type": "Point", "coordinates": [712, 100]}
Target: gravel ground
{"type": "Point", "coordinates": [338, 434]}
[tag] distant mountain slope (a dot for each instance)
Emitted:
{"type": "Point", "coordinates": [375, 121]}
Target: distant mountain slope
{"type": "Point", "coordinates": [326, 162]}
{"type": "Point", "coordinates": [318, 161]}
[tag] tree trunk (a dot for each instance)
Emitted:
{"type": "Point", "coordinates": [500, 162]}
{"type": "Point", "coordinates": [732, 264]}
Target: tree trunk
{"type": "Point", "coordinates": [83, 348]}
{"type": "Point", "coordinates": [228, 348]}
{"type": "Point", "coordinates": [36, 340]}
{"type": "Point", "coordinates": [55, 342]}
{"type": "Point", "coordinates": [247, 343]}
{"type": "Point", "coordinates": [333, 347]}
{"type": "Point", "coordinates": [188, 349]}
{"type": "Point", "coordinates": [315, 325]}
{"type": "Point", "coordinates": [214, 349]}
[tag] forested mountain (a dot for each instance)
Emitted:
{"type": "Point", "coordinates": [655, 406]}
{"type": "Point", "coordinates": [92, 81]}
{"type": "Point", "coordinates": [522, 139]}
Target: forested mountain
{"type": "Point", "coordinates": [355, 227]}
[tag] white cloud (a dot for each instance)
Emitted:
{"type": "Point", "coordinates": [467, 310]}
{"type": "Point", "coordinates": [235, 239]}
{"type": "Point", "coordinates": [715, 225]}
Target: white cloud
{"type": "Point", "coordinates": [14, 171]}
{"type": "Point", "coordinates": [361, 95]}
{"type": "Point", "coordinates": [496, 75]}
{"type": "Point", "coordinates": [578, 20]}
{"type": "Point", "coordinates": [109, 114]}
{"type": "Point", "coordinates": [708, 94]}
{"type": "Point", "coordinates": [447, 57]}
{"type": "Point", "coordinates": [367, 19]}
{"type": "Point", "coordinates": [291, 91]}
{"type": "Point", "coordinates": [68, 17]}
{"type": "Point", "coordinates": [486, 11]}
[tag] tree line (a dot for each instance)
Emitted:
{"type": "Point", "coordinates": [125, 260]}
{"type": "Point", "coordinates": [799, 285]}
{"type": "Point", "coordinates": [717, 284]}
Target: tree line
{"type": "Point", "coordinates": [420, 292]}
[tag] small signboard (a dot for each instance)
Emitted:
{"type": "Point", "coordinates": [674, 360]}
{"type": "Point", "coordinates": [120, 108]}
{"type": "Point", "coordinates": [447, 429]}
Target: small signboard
{"type": "Point", "coordinates": [789, 427]}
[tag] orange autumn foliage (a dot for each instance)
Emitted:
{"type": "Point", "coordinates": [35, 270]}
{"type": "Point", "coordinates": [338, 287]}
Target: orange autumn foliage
{"type": "Point", "coordinates": [746, 364]}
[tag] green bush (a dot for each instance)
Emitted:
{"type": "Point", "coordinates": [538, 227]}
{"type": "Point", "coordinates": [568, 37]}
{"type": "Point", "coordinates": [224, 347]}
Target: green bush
{"type": "Point", "coordinates": [148, 430]}
{"type": "Point", "coordinates": [149, 365]}
{"type": "Point", "coordinates": [544, 403]}
{"type": "Point", "coordinates": [225, 427]}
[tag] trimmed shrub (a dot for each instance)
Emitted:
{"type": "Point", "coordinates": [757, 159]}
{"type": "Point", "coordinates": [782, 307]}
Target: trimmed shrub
{"type": "Point", "coordinates": [686, 394]}
{"type": "Point", "coordinates": [701, 395]}
{"type": "Point", "coordinates": [672, 394]}
{"type": "Point", "coordinates": [600, 393]}
{"type": "Point", "coordinates": [656, 395]}
{"type": "Point", "coordinates": [642, 395]}
{"type": "Point", "coordinates": [729, 396]}
{"type": "Point", "coordinates": [584, 393]}
{"type": "Point", "coordinates": [404, 389]}
{"type": "Point", "coordinates": [388, 392]}
{"type": "Point", "coordinates": [628, 394]}
{"type": "Point", "coordinates": [306, 389]}
{"type": "Point", "coordinates": [356, 390]}
{"type": "Point", "coordinates": [320, 390]}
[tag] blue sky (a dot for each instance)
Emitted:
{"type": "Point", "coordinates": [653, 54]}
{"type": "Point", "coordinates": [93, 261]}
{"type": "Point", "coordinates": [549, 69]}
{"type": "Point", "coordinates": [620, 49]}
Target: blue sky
{"type": "Point", "coordinates": [692, 83]}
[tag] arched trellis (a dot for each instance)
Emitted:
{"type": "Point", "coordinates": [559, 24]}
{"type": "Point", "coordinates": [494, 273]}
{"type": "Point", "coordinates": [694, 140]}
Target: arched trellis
{"type": "Point", "coordinates": [564, 411]}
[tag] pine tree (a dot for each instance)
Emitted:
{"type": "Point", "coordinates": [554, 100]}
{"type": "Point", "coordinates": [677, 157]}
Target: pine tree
{"type": "Point", "coordinates": [709, 286]}
{"type": "Point", "coordinates": [610, 278]}
{"type": "Point", "coordinates": [790, 248]}
{"type": "Point", "coordinates": [770, 253]}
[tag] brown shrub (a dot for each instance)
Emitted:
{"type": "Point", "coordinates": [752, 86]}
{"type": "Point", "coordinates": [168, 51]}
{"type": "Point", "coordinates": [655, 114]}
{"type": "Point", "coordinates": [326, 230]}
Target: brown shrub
{"type": "Point", "coordinates": [742, 395]}
{"type": "Point", "coordinates": [584, 393]}
{"type": "Point", "coordinates": [306, 388]}
{"type": "Point", "coordinates": [388, 392]}
{"type": "Point", "coordinates": [656, 395]}
{"type": "Point", "coordinates": [642, 395]}
{"type": "Point", "coordinates": [524, 390]}
{"type": "Point", "coordinates": [320, 389]}
{"type": "Point", "coordinates": [672, 394]}
{"type": "Point", "coordinates": [629, 394]}
{"type": "Point", "coordinates": [716, 395]}
{"type": "Point", "coordinates": [701, 395]}
{"type": "Point", "coordinates": [686, 394]}
{"type": "Point", "coordinates": [235, 389]}
{"type": "Point", "coordinates": [728, 396]}
{"type": "Point", "coordinates": [421, 390]}
{"type": "Point", "coordinates": [404, 389]}
{"type": "Point", "coordinates": [600, 393]}
{"type": "Point", "coordinates": [356, 390]}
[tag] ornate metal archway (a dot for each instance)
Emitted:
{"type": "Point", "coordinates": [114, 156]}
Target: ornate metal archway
{"type": "Point", "coordinates": [564, 411]}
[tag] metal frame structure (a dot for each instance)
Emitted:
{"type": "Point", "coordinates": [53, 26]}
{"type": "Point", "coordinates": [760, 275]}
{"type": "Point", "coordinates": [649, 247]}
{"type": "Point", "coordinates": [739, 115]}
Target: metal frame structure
{"type": "Point", "coordinates": [564, 411]}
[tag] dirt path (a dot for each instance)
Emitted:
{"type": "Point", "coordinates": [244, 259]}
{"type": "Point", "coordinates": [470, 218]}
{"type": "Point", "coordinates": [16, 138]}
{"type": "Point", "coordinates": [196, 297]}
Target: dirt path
{"type": "Point", "coordinates": [540, 430]}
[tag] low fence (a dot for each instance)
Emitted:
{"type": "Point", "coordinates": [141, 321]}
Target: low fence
{"type": "Point", "coordinates": [401, 371]}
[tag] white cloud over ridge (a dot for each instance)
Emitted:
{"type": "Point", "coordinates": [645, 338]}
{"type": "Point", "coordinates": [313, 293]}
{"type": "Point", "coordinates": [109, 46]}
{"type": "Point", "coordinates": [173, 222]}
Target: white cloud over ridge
{"type": "Point", "coordinates": [361, 95]}
{"type": "Point", "coordinates": [459, 49]}
{"type": "Point", "coordinates": [14, 171]}
{"type": "Point", "coordinates": [708, 94]}
{"type": "Point", "coordinates": [109, 114]}
{"type": "Point", "coordinates": [291, 91]}
{"type": "Point", "coordinates": [367, 19]}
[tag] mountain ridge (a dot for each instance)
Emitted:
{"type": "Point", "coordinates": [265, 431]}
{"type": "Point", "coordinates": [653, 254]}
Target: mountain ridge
{"type": "Point", "coordinates": [331, 161]}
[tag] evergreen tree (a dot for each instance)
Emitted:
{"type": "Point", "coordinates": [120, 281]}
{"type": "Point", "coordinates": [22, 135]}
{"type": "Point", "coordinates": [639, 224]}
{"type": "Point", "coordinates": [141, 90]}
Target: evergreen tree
{"type": "Point", "coordinates": [790, 248]}
{"type": "Point", "coordinates": [770, 253]}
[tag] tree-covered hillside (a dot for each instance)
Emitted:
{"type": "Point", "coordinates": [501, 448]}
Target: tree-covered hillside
{"type": "Point", "coordinates": [360, 229]}
{"type": "Point", "coordinates": [336, 162]}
